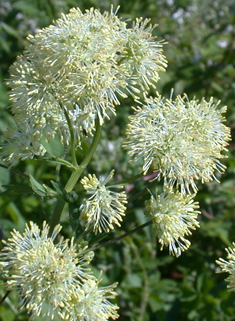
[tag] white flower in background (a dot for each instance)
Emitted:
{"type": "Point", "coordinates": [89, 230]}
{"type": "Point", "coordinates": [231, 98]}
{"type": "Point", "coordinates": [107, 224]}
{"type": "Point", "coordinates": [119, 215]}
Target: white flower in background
{"type": "Point", "coordinates": [91, 303]}
{"type": "Point", "coordinates": [181, 139]}
{"type": "Point", "coordinates": [229, 266]}
{"type": "Point", "coordinates": [73, 72]}
{"type": "Point", "coordinates": [45, 273]}
{"type": "Point", "coordinates": [104, 208]}
{"type": "Point", "coordinates": [174, 215]}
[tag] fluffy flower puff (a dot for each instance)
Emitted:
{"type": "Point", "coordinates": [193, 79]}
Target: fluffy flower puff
{"type": "Point", "coordinates": [104, 208]}
{"type": "Point", "coordinates": [180, 139]}
{"type": "Point", "coordinates": [174, 215]}
{"type": "Point", "coordinates": [72, 72]}
{"type": "Point", "coordinates": [142, 56]}
{"type": "Point", "coordinates": [44, 273]}
{"type": "Point", "coordinates": [229, 266]}
{"type": "Point", "coordinates": [91, 303]}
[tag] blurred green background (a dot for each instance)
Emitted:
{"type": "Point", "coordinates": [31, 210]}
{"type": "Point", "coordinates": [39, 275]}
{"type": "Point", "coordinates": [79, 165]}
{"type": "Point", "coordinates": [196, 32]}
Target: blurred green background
{"type": "Point", "coordinates": [201, 54]}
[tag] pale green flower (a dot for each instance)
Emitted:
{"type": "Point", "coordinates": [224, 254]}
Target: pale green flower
{"type": "Point", "coordinates": [91, 303]}
{"type": "Point", "coordinates": [174, 215]}
{"type": "Point", "coordinates": [229, 266]}
{"type": "Point", "coordinates": [73, 72]}
{"type": "Point", "coordinates": [180, 139]}
{"type": "Point", "coordinates": [45, 273]}
{"type": "Point", "coordinates": [104, 208]}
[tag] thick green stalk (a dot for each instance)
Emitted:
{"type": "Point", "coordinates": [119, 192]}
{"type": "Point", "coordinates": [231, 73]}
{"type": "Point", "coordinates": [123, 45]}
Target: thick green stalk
{"type": "Point", "coordinates": [55, 219]}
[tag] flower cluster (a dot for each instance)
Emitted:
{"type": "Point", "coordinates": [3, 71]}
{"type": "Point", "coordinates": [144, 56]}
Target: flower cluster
{"type": "Point", "coordinates": [229, 266]}
{"type": "Point", "coordinates": [181, 139]}
{"type": "Point", "coordinates": [54, 278]}
{"type": "Point", "coordinates": [104, 208]}
{"type": "Point", "coordinates": [91, 303]}
{"type": "Point", "coordinates": [72, 72]}
{"type": "Point", "coordinates": [174, 215]}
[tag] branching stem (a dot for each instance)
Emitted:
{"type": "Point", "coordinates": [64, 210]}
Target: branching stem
{"type": "Point", "coordinates": [55, 219]}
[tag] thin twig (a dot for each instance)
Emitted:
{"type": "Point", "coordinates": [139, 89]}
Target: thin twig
{"type": "Point", "coordinates": [14, 170]}
{"type": "Point", "coordinates": [119, 237]}
{"type": "Point", "coordinates": [4, 297]}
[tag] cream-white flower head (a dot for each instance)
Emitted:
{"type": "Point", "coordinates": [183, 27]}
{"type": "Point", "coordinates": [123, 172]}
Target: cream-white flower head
{"type": "Point", "coordinates": [76, 69]}
{"type": "Point", "coordinates": [182, 139]}
{"type": "Point", "coordinates": [229, 266]}
{"type": "Point", "coordinates": [174, 215]}
{"type": "Point", "coordinates": [45, 273]}
{"type": "Point", "coordinates": [104, 208]}
{"type": "Point", "coordinates": [91, 303]}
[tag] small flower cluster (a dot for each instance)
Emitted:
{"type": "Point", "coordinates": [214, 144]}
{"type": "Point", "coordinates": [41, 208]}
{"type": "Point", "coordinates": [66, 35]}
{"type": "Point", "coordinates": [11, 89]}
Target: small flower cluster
{"type": "Point", "coordinates": [182, 141]}
{"type": "Point", "coordinates": [229, 266]}
{"type": "Point", "coordinates": [104, 208]}
{"type": "Point", "coordinates": [72, 72]}
{"type": "Point", "coordinates": [174, 215]}
{"type": "Point", "coordinates": [54, 278]}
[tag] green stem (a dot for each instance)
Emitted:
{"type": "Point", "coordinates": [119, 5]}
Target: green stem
{"type": "Point", "coordinates": [131, 179]}
{"type": "Point", "coordinates": [61, 161]}
{"type": "Point", "coordinates": [73, 139]}
{"type": "Point", "coordinates": [55, 218]}
{"type": "Point", "coordinates": [4, 297]}
{"type": "Point", "coordinates": [145, 290]}
{"type": "Point", "coordinates": [126, 180]}
{"type": "Point", "coordinates": [119, 237]}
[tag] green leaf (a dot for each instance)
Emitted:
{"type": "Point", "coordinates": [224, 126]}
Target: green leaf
{"type": "Point", "coordinates": [58, 161]}
{"type": "Point", "coordinates": [41, 189]}
{"type": "Point", "coordinates": [68, 197]}
{"type": "Point", "coordinates": [59, 189]}
{"type": "Point", "coordinates": [8, 29]}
